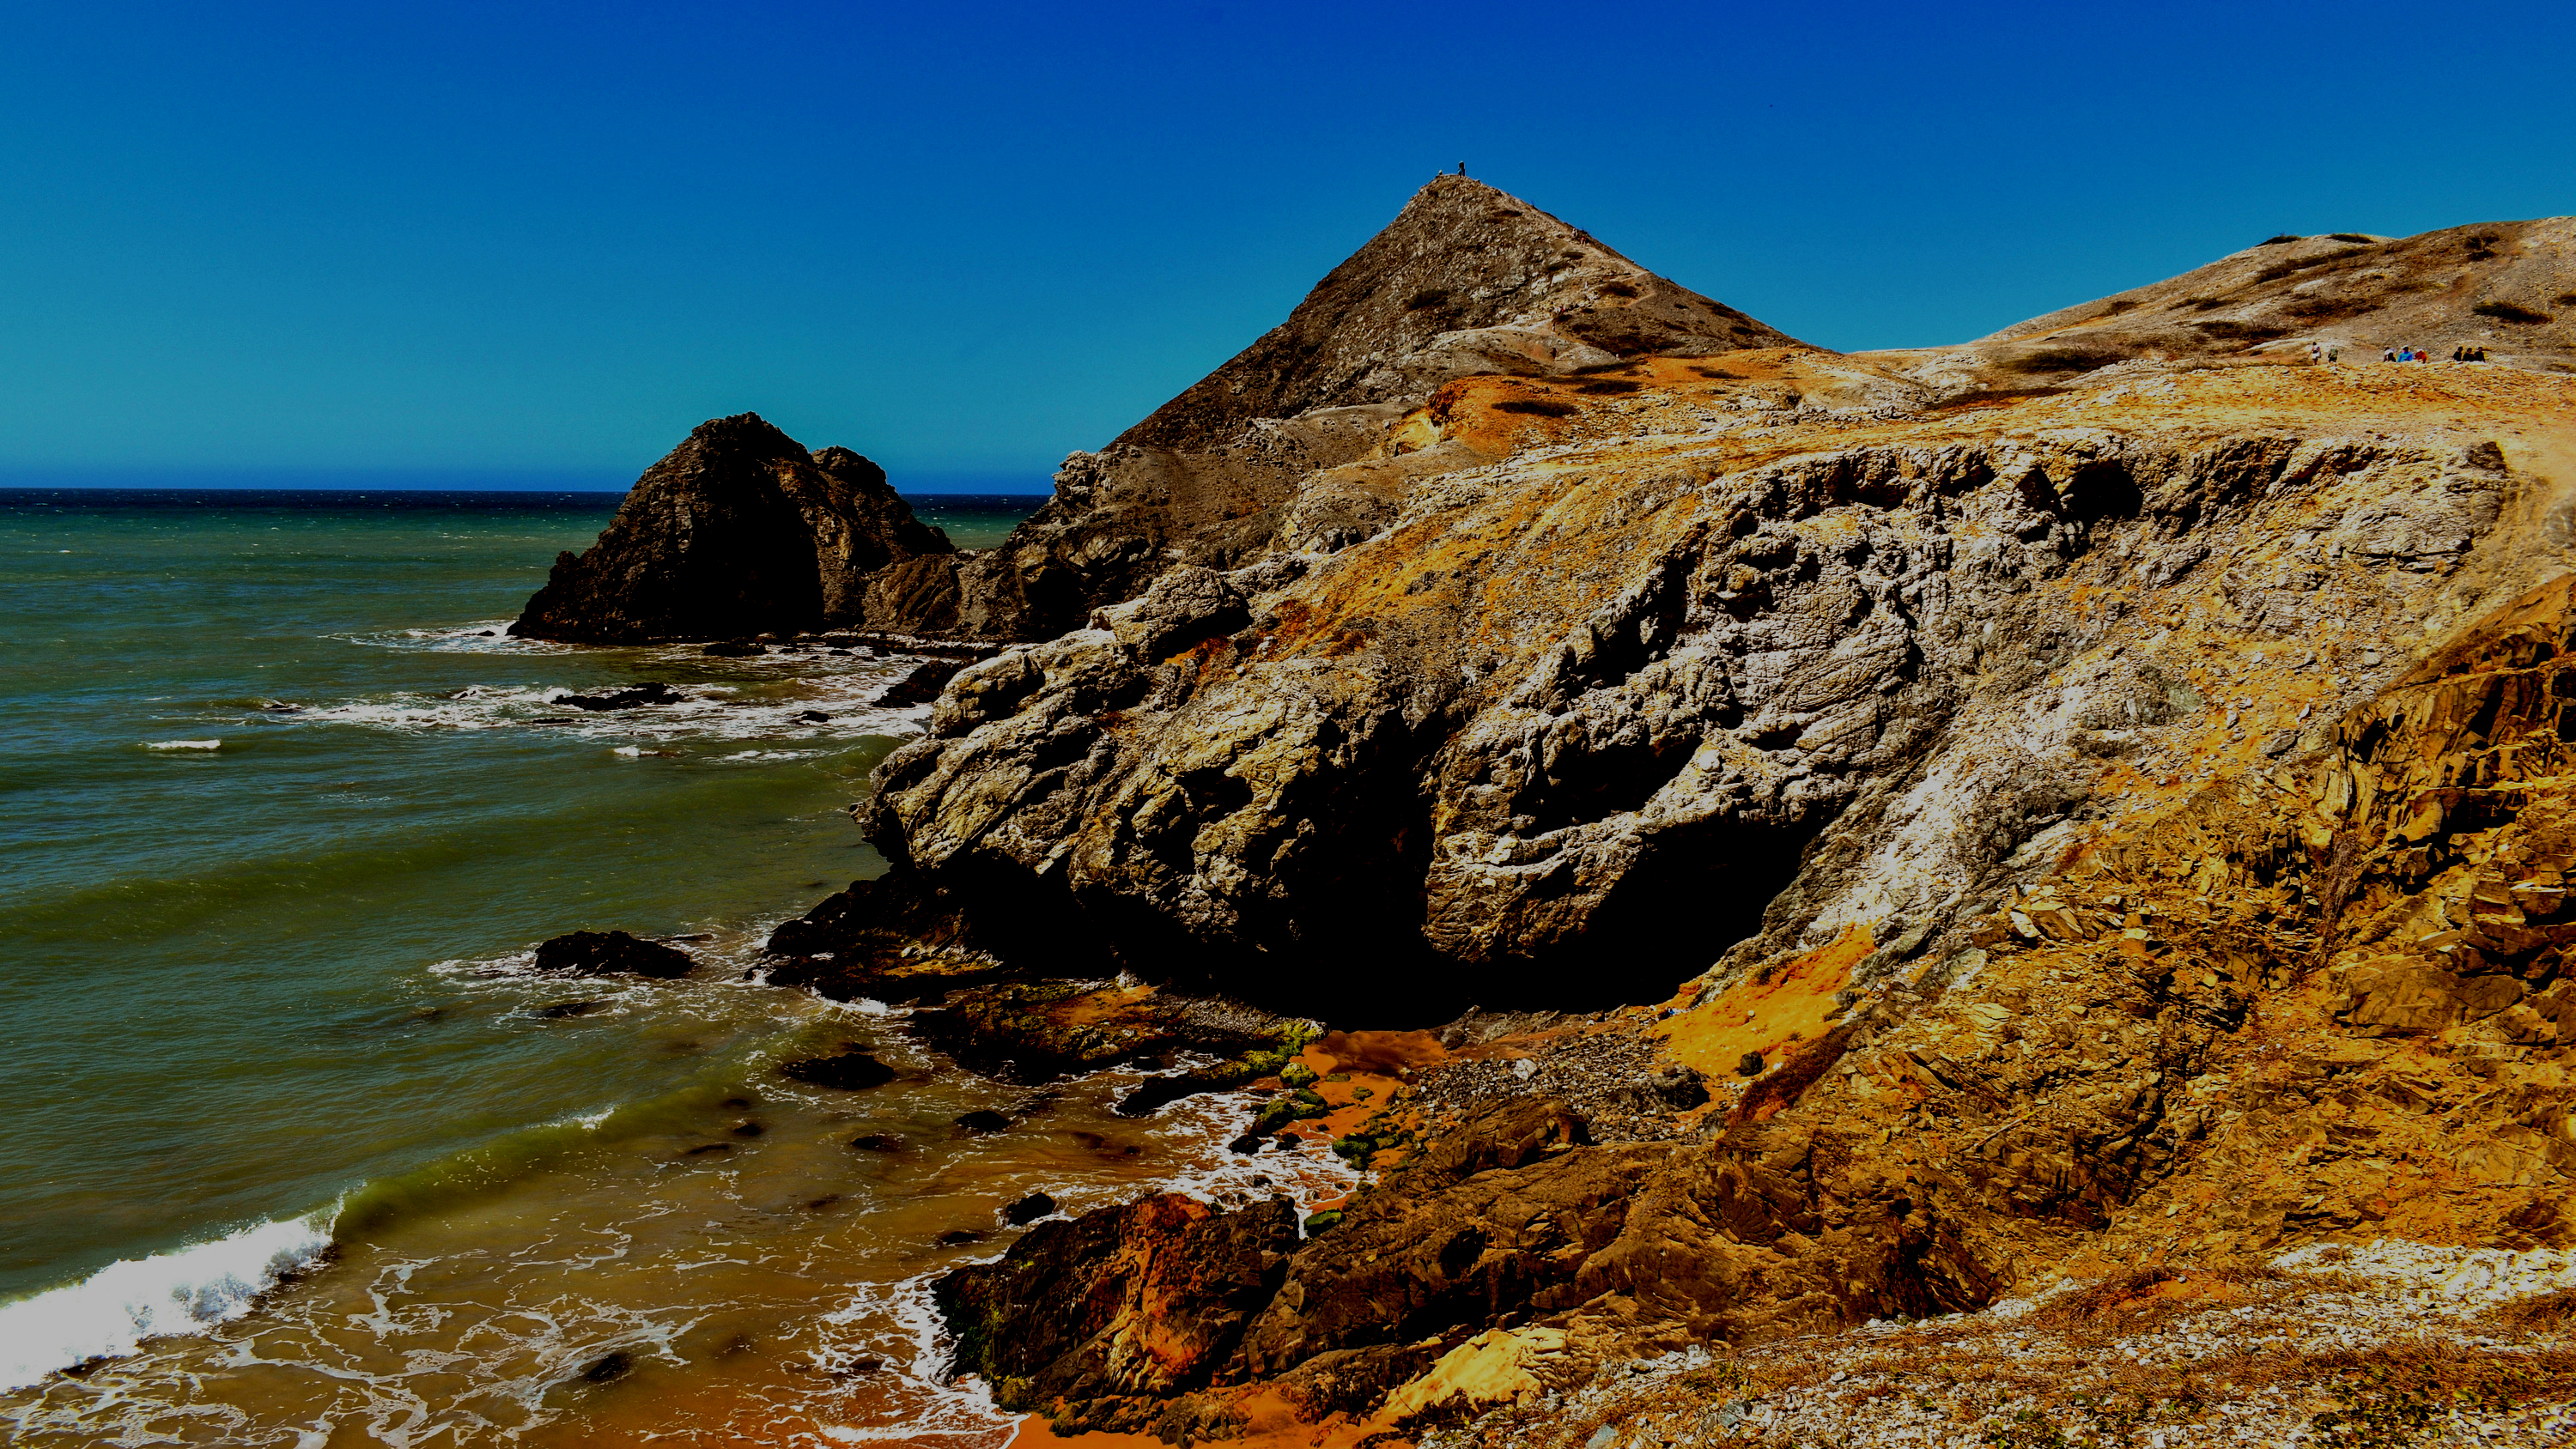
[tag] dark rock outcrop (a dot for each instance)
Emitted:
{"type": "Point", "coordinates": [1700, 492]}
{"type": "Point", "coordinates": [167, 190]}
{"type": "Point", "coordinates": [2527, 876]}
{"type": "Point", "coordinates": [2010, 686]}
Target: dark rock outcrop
{"type": "Point", "coordinates": [1147, 1299]}
{"type": "Point", "coordinates": [739, 530]}
{"type": "Point", "coordinates": [634, 696]}
{"type": "Point", "coordinates": [1465, 281]}
{"type": "Point", "coordinates": [612, 953]}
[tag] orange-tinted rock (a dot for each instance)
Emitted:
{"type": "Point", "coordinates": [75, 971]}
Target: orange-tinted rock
{"type": "Point", "coordinates": [1146, 1299]}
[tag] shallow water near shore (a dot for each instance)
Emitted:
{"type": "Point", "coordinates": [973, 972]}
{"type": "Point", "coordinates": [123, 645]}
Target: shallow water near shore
{"type": "Point", "coordinates": [308, 1152]}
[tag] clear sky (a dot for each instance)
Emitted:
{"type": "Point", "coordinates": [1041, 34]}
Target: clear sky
{"type": "Point", "coordinates": [537, 243]}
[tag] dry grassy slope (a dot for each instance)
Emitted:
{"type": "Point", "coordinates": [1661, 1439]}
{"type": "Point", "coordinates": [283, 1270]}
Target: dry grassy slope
{"type": "Point", "coordinates": [2509, 287]}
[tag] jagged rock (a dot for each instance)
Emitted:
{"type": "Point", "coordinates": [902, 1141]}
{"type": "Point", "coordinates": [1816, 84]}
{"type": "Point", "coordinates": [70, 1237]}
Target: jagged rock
{"type": "Point", "coordinates": [1715, 683]}
{"type": "Point", "coordinates": [612, 953]}
{"type": "Point", "coordinates": [921, 686]}
{"type": "Point", "coordinates": [862, 931]}
{"type": "Point", "coordinates": [739, 530]}
{"type": "Point", "coordinates": [1143, 1299]}
{"type": "Point", "coordinates": [1465, 281]}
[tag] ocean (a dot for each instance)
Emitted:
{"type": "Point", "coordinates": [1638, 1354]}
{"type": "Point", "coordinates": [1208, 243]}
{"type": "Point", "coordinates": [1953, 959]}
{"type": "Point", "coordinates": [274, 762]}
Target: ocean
{"type": "Point", "coordinates": [308, 1155]}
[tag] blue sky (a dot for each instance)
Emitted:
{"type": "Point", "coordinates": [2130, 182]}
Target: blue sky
{"type": "Point", "coordinates": [537, 243]}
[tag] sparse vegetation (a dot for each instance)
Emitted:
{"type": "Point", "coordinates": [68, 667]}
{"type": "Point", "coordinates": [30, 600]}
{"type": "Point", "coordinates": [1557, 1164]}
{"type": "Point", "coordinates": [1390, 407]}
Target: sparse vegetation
{"type": "Point", "coordinates": [1617, 289]}
{"type": "Point", "coordinates": [1427, 298]}
{"type": "Point", "coordinates": [2066, 359]}
{"type": "Point", "coordinates": [2542, 1312]}
{"type": "Point", "coordinates": [2327, 309]}
{"type": "Point", "coordinates": [2230, 330]}
{"type": "Point", "coordinates": [1537, 406]}
{"type": "Point", "coordinates": [1996, 397]}
{"type": "Point", "coordinates": [2274, 241]}
{"type": "Point", "coordinates": [2510, 312]}
{"type": "Point", "coordinates": [1607, 386]}
{"type": "Point", "coordinates": [2348, 236]}
{"type": "Point", "coordinates": [2279, 270]}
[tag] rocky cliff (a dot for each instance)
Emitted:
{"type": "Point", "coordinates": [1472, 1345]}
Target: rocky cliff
{"type": "Point", "coordinates": [739, 530]}
{"type": "Point", "coordinates": [2076, 821]}
{"type": "Point", "coordinates": [1279, 449]}
{"type": "Point", "coordinates": [1697, 671]}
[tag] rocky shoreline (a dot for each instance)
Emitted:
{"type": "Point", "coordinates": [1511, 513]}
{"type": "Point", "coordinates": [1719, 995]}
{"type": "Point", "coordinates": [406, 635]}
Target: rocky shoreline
{"type": "Point", "coordinates": [1774, 861]}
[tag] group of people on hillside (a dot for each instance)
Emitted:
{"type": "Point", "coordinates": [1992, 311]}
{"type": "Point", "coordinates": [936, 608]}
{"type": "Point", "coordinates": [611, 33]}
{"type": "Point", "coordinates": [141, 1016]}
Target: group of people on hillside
{"type": "Point", "coordinates": [2463, 353]}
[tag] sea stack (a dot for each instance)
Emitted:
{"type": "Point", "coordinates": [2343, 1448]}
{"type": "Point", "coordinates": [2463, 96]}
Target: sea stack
{"type": "Point", "coordinates": [739, 530]}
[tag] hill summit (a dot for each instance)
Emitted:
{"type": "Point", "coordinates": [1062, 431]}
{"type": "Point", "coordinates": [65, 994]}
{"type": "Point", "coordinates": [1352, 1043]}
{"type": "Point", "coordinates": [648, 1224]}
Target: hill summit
{"type": "Point", "coordinates": [1465, 280]}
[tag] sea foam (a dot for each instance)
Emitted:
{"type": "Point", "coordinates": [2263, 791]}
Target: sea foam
{"type": "Point", "coordinates": [183, 744]}
{"type": "Point", "coordinates": [187, 1290]}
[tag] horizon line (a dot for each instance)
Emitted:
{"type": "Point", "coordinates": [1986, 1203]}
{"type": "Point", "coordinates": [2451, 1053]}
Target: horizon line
{"type": "Point", "coordinates": [440, 480]}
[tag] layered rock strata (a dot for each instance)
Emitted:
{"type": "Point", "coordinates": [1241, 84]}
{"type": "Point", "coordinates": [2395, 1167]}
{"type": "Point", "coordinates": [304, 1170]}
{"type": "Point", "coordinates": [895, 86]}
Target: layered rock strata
{"type": "Point", "coordinates": [739, 531]}
{"type": "Point", "coordinates": [1685, 676]}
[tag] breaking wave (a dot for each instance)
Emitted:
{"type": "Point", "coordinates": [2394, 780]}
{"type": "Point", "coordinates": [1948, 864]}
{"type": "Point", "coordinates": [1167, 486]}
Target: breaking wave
{"type": "Point", "coordinates": [184, 1291]}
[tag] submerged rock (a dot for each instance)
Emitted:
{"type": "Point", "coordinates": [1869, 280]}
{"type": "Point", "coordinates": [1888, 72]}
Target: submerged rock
{"type": "Point", "coordinates": [1028, 1209]}
{"type": "Point", "coordinates": [850, 1071]}
{"type": "Point", "coordinates": [636, 696]}
{"type": "Point", "coordinates": [737, 531]}
{"type": "Point", "coordinates": [612, 953]}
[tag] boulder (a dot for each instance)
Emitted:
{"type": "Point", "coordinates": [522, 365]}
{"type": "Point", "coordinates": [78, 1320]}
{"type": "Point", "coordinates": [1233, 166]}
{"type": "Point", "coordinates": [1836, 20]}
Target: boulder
{"type": "Point", "coordinates": [1148, 1298]}
{"type": "Point", "coordinates": [612, 953]}
{"type": "Point", "coordinates": [921, 686]}
{"type": "Point", "coordinates": [737, 531]}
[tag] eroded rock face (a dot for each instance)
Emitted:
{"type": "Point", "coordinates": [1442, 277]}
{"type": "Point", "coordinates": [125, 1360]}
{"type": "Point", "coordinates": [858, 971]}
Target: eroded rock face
{"type": "Point", "coordinates": [1466, 281]}
{"type": "Point", "coordinates": [1638, 701]}
{"type": "Point", "coordinates": [739, 530]}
